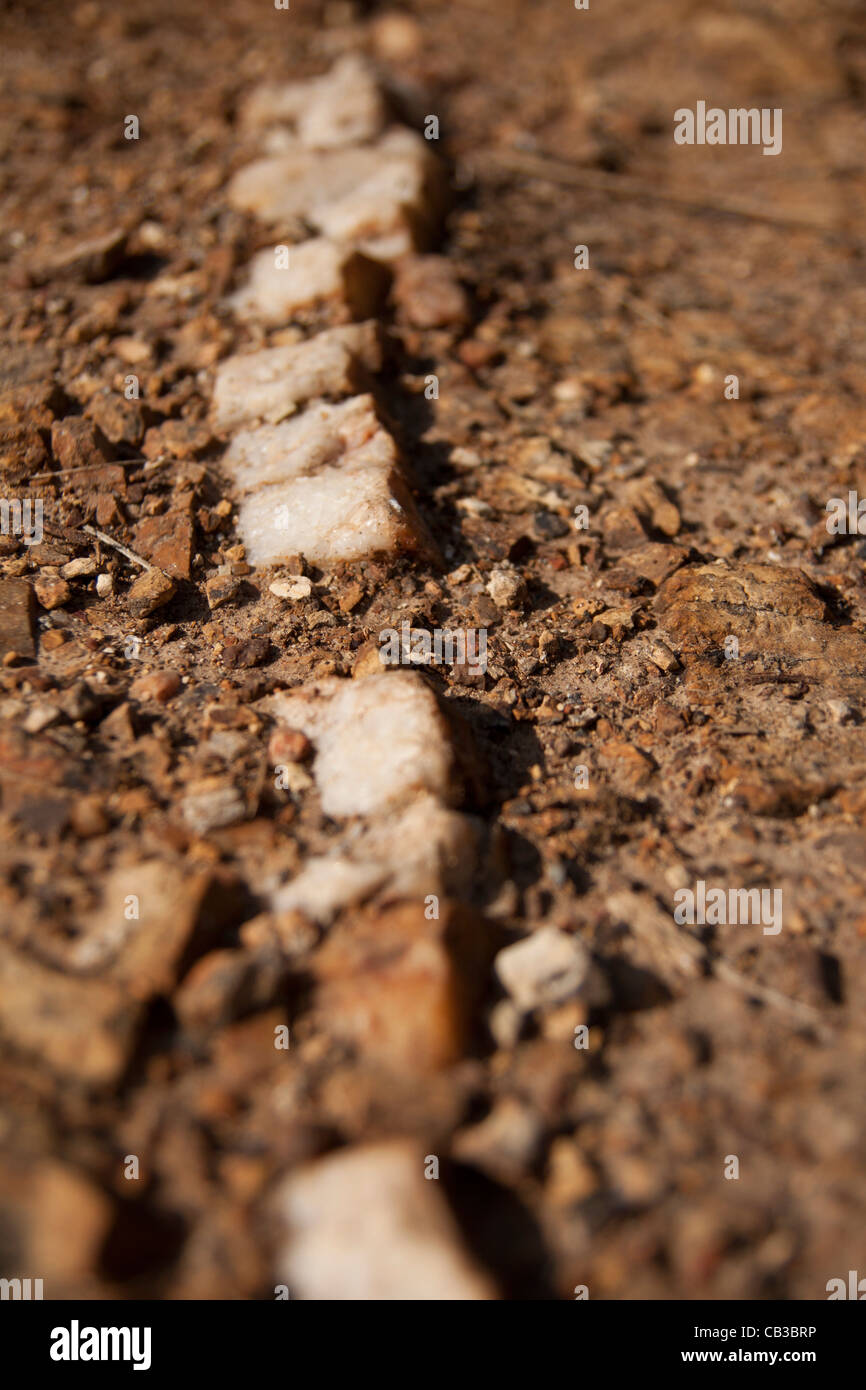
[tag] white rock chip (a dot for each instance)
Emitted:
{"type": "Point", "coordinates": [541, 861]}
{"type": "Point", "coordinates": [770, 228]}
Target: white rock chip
{"type": "Point", "coordinates": [425, 849]}
{"type": "Point", "coordinates": [547, 968]}
{"type": "Point", "coordinates": [365, 1224]}
{"type": "Point", "coordinates": [379, 740]}
{"type": "Point", "coordinates": [326, 484]}
{"type": "Point", "coordinates": [318, 271]}
{"type": "Point", "coordinates": [346, 435]}
{"type": "Point", "coordinates": [328, 883]}
{"type": "Point", "coordinates": [292, 589]}
{"type": "Point", "coordinates": [386, 198]}
{"type": "Point", "coordinates": [344, 107]}
{"type": "Point", "coordinates": [270, 385]}
{"type": "Point", "coordinates": [296, 182]}
{"type": "Point", "coordinates": [338, 514]}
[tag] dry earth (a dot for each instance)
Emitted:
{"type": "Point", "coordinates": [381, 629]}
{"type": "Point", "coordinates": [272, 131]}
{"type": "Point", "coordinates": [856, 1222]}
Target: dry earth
{"type": "Point", "coordinates": [134, 748]}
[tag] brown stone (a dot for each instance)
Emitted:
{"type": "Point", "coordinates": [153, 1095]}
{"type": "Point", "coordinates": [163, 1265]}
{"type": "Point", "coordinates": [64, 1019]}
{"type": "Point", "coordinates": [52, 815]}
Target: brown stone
{"type": "Point", "coordinates": [156, 685]}
{"type": "Point", "coordinates": [16, 618]}
{"type": "Point", "coordinates": [89, 261]}
{"type": "Point", "coordinates": [121, 421]}
{"type": "Point", "coordinates": [166, 540]}
{"type": "Point", "coordinates": [150, 591]}
{"type": "Point", "coordinates": [52, 592]}
{"type": "Point", "coordinates": [242, 655]}
{"type": "Point", "coordinates": [401, 987]}
{"type": "Point", "coordinates": [79, 1027]}
{"type": "Point", "coordinates": [222, 589]}
{"type": "Point", "coordinates": [78, 443]}
{"type": "Point", "coordinates": [428, 294]}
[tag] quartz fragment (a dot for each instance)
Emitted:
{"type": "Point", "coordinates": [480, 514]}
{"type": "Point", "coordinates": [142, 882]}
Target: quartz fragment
{"type": "Point", "coordinates": [364, 1224]}
{"type": "Point", "coordinates": [548, 967]}
{"type": "Point", "coordinates": [378, 740]}
{"type": "Point", "coordinates": [269, 385]}
{"type": "Point", "coordinates": [318, 271]}
{"type": "Point", "coordinates": [337, 514]}
{"type": "Point", "coordinates": [348, 434]}
{"type": "Point", "coordinates": [386, 198]}
{"type": "Point", "coordinates": [425, 849]}
{"type": "Point", "coordinates": [344, 107]}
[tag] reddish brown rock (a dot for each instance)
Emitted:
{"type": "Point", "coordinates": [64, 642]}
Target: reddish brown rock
{"type": "Point", "coordinates": [166, 540]}
{"type": "Point", "coordinates": [79, 1027]}
{"type": "Point", "coordinates": [79, 443]}
{"type": "Point", "coordinates": [400, 987]}
{"type": "Point", "coordinates": [150, 591]}
{"type": "Point", "coordinates": [428, 294]}
{"type": "Point", "coordinates": [52, 592]}
{"type": "Point", "coordinates": [16, 618]}
{"type": "Point", "coordinates": [156, 685]}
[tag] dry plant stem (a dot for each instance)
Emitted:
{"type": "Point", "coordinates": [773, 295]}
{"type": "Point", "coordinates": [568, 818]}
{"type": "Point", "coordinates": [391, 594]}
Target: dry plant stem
{"type": "Point", "coordinates": [545, 166]}
{"type": "Point", "coordinates": [116, 545]}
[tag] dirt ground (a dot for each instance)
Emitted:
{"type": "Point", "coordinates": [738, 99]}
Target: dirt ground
{"type": "Point", "coordinates": [133, 746]}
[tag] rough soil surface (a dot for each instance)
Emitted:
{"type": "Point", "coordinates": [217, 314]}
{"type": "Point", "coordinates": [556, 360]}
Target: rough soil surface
{"type": "Point", "coordinates": [148, 960]}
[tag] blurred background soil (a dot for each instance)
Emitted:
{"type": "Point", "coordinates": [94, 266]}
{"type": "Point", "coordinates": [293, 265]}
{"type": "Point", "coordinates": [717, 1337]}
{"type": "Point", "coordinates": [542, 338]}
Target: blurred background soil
{"type": "Point", "coordinates": [603, 387]}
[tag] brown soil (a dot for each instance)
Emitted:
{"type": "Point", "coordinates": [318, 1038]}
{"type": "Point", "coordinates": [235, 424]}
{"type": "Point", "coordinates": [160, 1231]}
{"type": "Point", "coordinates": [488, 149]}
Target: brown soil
{"type": "Point", "coordinates": [602, 387]}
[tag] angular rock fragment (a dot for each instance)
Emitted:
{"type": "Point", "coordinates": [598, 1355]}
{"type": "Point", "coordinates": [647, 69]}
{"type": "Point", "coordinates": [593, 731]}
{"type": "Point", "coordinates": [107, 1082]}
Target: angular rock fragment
{"type": "Point", "coordinates": [401, 987]}
{"type": "Point", "coordinates": [348, 434]}
{"type": "Point", "coordinates": [386, 198]}
{"type": "Point", "coordinates": [337, 514]}
{"type": "Point", "coordinates": [548, 967]}
{"type": "Point", "coordinates": [151, 590]}
{"type": "Point", "coordinates": [365, 1224]}
{"type": "Point", "coordinates": [79, 1027]}
{"type": "Point", "coordinates": [16, 618]}
{"type": "Point", "coordinates": [318, 271]}
{"type": "Point", "coordinates": [378, 740]}
{"type": "Point", "coordinates": [289, 185]}
{"type": "Point", "coordinates": [425, 849]}
{"type": "Point", "coordinates": [776, 614]}
{"type": "Point", "coordinates": [343, 107]}
{"type": "Point", "coordinates": [396, 208]}
{"type": "Point", "coordinates": [327, 884]}
{"type": "Point", "coordinates": [269, 385]}
{"type": "Point", "coordinates": [151, 916]}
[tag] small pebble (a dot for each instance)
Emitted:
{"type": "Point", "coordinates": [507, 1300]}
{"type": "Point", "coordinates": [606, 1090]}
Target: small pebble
{"type": "Point", "coordinates": [505, 586]}
{"type": "Point", "coordinates": [41, 717]}
{"type": "Point", "coordinates": [150, 591]}
{"type": "Point", "coordinates": [79, 568]}
{"type": "Point", "coordinates": [52, 593]}
{"type": "Point", "coordinates": [222, 589]}
{"type": "Point", "coordinates": [156, 685]}
{"type": "Point", "coordinates": [293, 589]}
{"type": "Point", "coordinates": [289, 746]}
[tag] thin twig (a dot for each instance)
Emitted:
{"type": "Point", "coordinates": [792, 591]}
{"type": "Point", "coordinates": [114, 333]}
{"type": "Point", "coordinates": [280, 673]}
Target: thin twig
{"type": "Point", "coordinates": [805, 1014]}
{"type": "Point", "coordinates": [116, 545]}
{"type": "Point", "coordinates": [89, 468]}
{"type": "Point", "coordinates": [546, 166]}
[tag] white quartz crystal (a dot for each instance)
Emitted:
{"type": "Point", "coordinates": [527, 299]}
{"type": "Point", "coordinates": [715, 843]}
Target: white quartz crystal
{"type": "Point", "coordinates": [379, 740]}
{"type": "Point", "coordinates": [344, 107]}
{"type": "Point", "coordinates": [318, 271]}
{"type": "Point", "coordinates": [386, 198]}
{"type": "Point", "coordinates": [269, 385]}
{"type": "Point", "coordinates": [423, 849]}
{"type": "Point", "coordinates": [336, 514]}
{"type": "Point", "coordinates": [364, 1224]}
{"type": "Point", "coordinates": [348, 434]}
